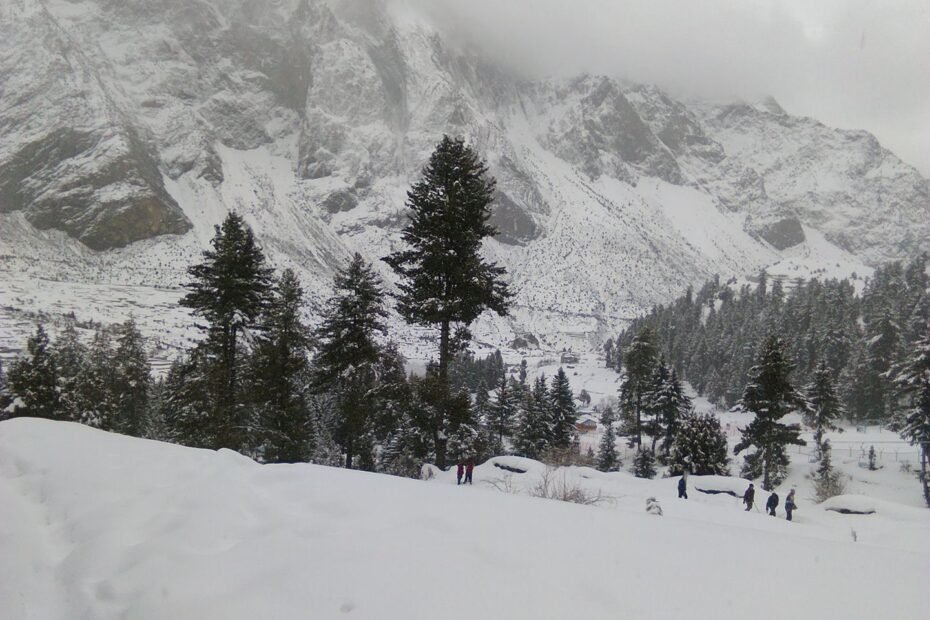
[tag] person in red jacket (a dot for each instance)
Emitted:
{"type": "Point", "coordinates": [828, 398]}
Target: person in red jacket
{"type": "Point", "coordinates": [459, 470]}
{"type": "Point", "coordinates": [469, 467]}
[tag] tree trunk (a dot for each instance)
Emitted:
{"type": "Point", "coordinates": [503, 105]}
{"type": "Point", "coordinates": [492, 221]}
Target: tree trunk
{"type": "Point", "coordinates": [444, 351]}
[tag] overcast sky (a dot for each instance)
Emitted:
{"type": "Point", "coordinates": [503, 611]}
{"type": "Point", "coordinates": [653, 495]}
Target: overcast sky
{"type": "Point", "coordinates": [849, 63]}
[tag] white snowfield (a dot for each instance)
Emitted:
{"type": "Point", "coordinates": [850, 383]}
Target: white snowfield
{"type": "Point", "coordinates": [97, 525]}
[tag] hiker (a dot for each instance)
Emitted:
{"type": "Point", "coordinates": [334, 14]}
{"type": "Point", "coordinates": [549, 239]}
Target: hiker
{"type": "Point", "coordinates": [772, 504]}
{"type": "Point", "coordinates": [748, 496]}
{"type": "Point", "coordinates": [682, 488]}
{"type": "Point", "coordinates": [459, 470]}
{"type": "Point", "coordinates": [789, 504]}
{"type": "Point", "coordinates": [469, 467]}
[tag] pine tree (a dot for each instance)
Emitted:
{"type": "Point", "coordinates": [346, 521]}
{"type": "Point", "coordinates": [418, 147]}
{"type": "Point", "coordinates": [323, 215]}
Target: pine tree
{"type": "Point", "coordinates": [828, 482]}
{"type": "Point", "coordinates": [916, 429]}
{"type": "Point", "coordinates": [640, 361]}
{"type": "Point", "coordinates": [230, 289]}
{"type": "Point", "coordinates": [699, 447]}
{"type": "Point", "coordinates": [644, 463]}
{"type": "Point", "coordinates": [71, 357]}
{"type": "Point", "coordinates": [188, 410]}
{"type": "Point", "coordinates": [444, 281]}
{"type": "Point", "coordinates": [281, 373]}
{"type": "Point", "coordinates": [664, 403]}
{"type": "Point", "coordinates": [502, 413]}
{"type": "Point", "coordinates": [562, 406]}
{"type": "Point", "coordinates": [531, 438]}
{"type": "Point", "coordinates": [825, 405]}
{"type": "Point", "coordinates": [607, 457]}
{"type": "Point", "coordinates": [132, 380]}
{"type": "Point", "coordinates": [33, 380]}
{"type": "Point", "coordinates": [349, 353]}
{"type": "Point", "coordinates": [770, 396]}
{"type": "Point", "coordinates": [97, 400]}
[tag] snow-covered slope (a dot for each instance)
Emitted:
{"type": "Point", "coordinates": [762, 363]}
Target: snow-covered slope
{"type": "Point", "coordinates": [104, 526]}
{"type": "Point", "coordinates": [136, 126]}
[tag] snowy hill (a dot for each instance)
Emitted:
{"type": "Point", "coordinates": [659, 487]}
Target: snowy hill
{"type": "Point", "coordinates": [137, 125]}
{"type": "Point", "coordinates": [103, 526]}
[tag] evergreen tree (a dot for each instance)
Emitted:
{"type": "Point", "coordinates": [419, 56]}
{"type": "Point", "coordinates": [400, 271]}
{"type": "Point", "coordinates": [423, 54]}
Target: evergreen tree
{"type": "Point", "coordinates": [699, 447]}
{"type": "Point", "coordinates": [827, 482]}
{"type": "Point", "coordinates": [531, 438]}
{"type": "Point", "coordinates": [71, 357]}
{"type": "Point", "coordinates": [825, 405]}
{"type": "Point", "coordinates": [916, 429]}
{"type": "Point", "coordinates": [33, 380]}
{"type": "Point", "coordinates": [230, 289]}
{"type": "Point", "coordinates": [770, 396]}
{"type": "Point", "coordinates": [5, 398]}
{"type": "Point", "coordinates": [281, 373]}
{"type": "Point", "coordinates": [132, 380]}
{"type": "Point", "coordinates": [640, 361]}
{"type": "Point", "coordinates": [97, 399]}
{"type": "Point", "coordinates": [502, 414]}
{"type": "Point", "coordinates": [562, 406]}
{"type": "Point", "coordinates": [444, 281]}
{"type": "Point", "coordinates": [644, 463]}
{"type": "Point", "coordinates": [348, 357]}
{"type": "Point", "coordinates": [607, 457]}
{"type": "Point", "coordinates": [664, 404]}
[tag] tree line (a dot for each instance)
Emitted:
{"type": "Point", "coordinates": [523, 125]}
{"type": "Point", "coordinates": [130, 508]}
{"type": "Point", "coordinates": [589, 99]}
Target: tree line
{"type": "Point", "coordinates": [264, 383]}
{"type": "Point", "coordinates": [821, 349]}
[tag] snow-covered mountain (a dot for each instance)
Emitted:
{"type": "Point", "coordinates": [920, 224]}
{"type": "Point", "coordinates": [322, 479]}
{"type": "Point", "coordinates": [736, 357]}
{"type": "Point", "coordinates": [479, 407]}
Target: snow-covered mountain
{"type": "Point", "coordinates": [129, 128]}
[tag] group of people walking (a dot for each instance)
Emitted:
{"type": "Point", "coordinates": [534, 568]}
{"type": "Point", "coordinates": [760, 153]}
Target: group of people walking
{"type": "Point", "coordinates": [772, 503]}
{"type": "Point", "coordinates": [465, 469]}
{"type": "Point", "coordinates": [748, 498]}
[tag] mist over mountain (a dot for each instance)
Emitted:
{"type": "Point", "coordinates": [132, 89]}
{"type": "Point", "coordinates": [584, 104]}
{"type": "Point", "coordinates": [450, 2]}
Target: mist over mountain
{"type": "Point", "coordinates": [129, 129]}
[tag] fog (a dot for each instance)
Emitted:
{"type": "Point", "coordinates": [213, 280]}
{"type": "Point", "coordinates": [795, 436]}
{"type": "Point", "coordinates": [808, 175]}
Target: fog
{"type": "Point", "coordinates": [849, 63]}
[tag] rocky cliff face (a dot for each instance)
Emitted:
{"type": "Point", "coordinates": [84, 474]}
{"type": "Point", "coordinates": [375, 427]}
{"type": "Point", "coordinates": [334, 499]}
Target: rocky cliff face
{"type": "Point", "coordinates": [131, 120]}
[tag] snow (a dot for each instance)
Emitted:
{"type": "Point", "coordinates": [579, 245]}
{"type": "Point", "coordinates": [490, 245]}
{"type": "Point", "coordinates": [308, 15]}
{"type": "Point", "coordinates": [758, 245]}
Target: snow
{"type": "Point", "coordinates": [97, 525]}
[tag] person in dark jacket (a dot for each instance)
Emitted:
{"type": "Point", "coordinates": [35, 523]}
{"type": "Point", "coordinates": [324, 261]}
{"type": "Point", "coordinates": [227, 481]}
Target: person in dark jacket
{"type": "Point", "coordinates": [748, 497]}
{"type": "Point", "coordinates": [682, 488]}
{"type": "Point", "coordinates": [772, 503]}
{"type": "Point", "coordinates": [469, 467]}
{"type": "Point", "coordinates": [789, 504]}
{"type": "Point", "coordinates": [459, 470]}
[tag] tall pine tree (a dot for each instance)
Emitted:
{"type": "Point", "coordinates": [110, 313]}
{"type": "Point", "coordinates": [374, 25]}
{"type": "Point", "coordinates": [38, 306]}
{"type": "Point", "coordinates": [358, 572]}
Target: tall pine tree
{"type": "Point", "coordinates": [281, 374]}
{"type": "Point", "coordinates": [349, 353]}
{"type": "Point", "coordinates": [770, 396]}
{"type": "Point", "coordinates": [33, 380]}
{"type": "Point", "coordinates": [229, 289]}
{"type": "Point", "coordinates": [825, 406]}
{"type": "Point", "coordinates": [444, 281]}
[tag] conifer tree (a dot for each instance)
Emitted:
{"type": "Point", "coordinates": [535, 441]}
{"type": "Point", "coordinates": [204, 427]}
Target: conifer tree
{"type": "Point", "coordinates": [699, 447]}
{"type": "Point", "coordinates": [229, 289]}
{"type": "Point", "coordinates": [827, 482]}
{"type": "Point", "coordinates": [639, 361]}
{"type": "Point", "coordinates": [770, 396]}
{"type": "Point", "coordinates": [71, 358]}
{"type": "Point", "coordinates": [825, 405]}
{"type": "Point", "coordinates": [349, 353]}
{"type": "Point", "coordinates": [132, 379]}
{"type": "Point", "coordinates": [281, 373]}
{"type": "Point", "coordinates": [33, 380]}
{"type": "Point", "coordinates": [916, 429]}
{"type": "Point", "coordinates": [531, 438]}
{"type": "Point", "coordinates": [664, 403]}
{"type": "Point", "coordinates": [502, 413]}
{"type": "Point", "coordinates": [97, 399]}
{"type": "Point", "coordinates": [562, 407]}
{"type": "Point", "coordinates": [607, 457]}
{"type": "Point", "coordinates": [444, 281]}
{"type": "Point", "coordinates": [644, 463]}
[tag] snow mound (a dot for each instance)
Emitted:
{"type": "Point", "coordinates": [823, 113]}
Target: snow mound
{"type": "Point", "coordinates": [97, 525]}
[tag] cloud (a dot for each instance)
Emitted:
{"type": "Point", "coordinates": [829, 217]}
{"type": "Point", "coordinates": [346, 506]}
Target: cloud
{"type": "Point", "coordinates": [849, 63]}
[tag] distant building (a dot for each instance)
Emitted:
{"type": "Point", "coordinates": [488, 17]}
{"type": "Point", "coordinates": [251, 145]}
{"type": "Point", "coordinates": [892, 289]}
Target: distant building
{"type": "Point", "coordinates": [586, 424]}
{"type": "Point", "coordinates": [568, 358]}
